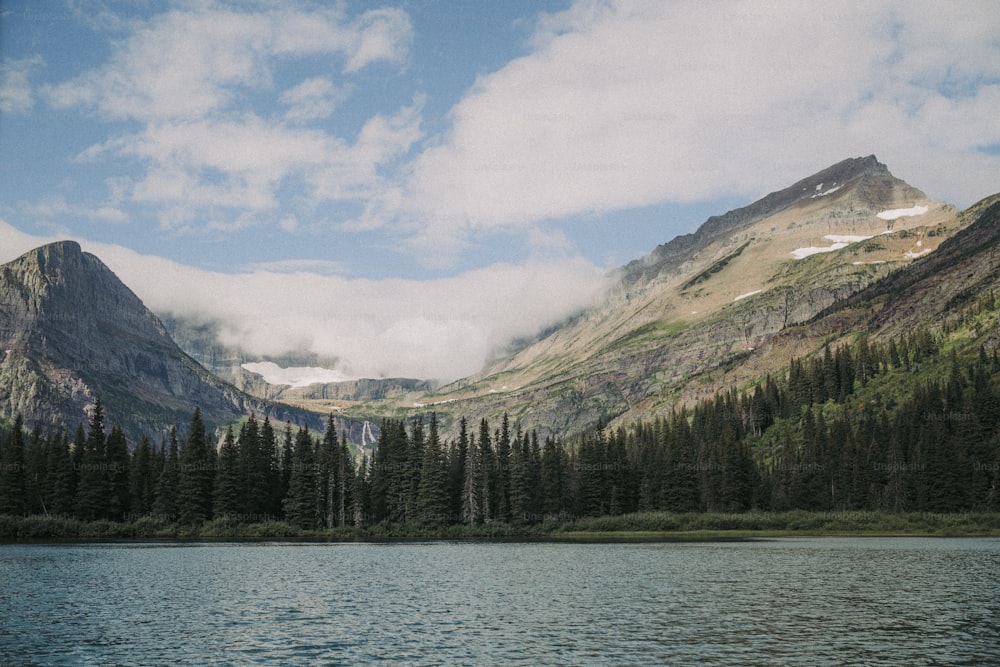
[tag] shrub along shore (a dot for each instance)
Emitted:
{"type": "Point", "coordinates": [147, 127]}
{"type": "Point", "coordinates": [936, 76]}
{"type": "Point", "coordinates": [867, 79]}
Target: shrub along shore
{"type": "Point", "coordinates": [638, 527]}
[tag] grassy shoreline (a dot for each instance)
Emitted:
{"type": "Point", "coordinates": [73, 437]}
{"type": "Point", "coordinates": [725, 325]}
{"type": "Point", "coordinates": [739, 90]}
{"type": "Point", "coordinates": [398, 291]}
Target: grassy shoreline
{"type": "Point", "coordinates": [641, 527]}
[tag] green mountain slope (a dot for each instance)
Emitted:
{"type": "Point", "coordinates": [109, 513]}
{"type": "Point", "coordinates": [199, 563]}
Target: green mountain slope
{"type": "Point", "coordinates": [702, 311]}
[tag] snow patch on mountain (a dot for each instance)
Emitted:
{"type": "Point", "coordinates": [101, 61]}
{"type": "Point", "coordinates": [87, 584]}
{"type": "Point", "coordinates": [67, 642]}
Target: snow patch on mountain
{"type": "Point", "coordinates": [743, 296]}
{"type": "Point", "coordinates": [295, 376]}
{"type": "Point", "coordinates": [839, 241]}
{"type": "Point", "coordinates": [825, 192]}
{"type": "Point", "coordinates": [893, 214]}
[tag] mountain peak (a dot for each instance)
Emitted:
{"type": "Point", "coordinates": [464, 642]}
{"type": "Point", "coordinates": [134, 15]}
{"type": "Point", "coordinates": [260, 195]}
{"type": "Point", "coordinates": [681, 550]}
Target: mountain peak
{"type": "Point", "coordinates": [865, 179]}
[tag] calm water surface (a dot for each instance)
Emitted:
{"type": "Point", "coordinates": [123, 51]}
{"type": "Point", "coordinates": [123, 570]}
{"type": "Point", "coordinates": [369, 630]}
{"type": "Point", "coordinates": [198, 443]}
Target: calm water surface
{"type": "Point", "coordinates": [803, 601]}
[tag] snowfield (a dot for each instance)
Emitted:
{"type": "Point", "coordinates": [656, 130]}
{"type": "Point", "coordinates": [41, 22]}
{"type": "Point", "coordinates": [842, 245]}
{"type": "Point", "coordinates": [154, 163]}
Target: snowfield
{"type": "Point", "coordinates": [839, 241]}
{"type": "Point", "coordinates": [295, 376]}
{"type": "Point", "coordinates": [895, 213]}
{"type": "Point", "coordinates": [826, 192]}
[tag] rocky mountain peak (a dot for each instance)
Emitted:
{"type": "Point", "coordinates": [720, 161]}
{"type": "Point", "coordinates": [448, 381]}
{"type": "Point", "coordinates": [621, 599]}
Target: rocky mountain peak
{"type": "Point", "coordinates": [861, 183]}
{"type": "Point", "coordinates": [71, 331]}
{"type": "Point", "coordinates": [71, 299]}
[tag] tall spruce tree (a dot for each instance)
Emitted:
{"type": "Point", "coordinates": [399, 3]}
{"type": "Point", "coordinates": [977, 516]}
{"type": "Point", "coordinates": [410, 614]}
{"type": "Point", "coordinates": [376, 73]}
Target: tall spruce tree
{"type": "Point", "coordinates": [93, 488]}
{"type": "Point", "coordinates": [12, 470]}
{"type": "Point", "coordinates": [330, 476]}
{"type": "Point", "coordinates": [119, 491]}
{"type": "Point", "coordinates": [432, 499]}
{"type": "Point", "coordinates": [197, 474]}
{"type": "Point", "coordinates": [63, 488]}
{"type": "Point", "coordinates": [228, 497]}
{"type": "Point", "coordinates": [301, 506]}
{"type": "Point", "coordinates": [165, 507]}
{"type": "Point", "coordinates": [143, 478]}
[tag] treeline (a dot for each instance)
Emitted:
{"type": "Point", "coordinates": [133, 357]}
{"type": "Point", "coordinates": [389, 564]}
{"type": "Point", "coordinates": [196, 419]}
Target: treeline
{"type": "Point", "coordinates": [856, 428]}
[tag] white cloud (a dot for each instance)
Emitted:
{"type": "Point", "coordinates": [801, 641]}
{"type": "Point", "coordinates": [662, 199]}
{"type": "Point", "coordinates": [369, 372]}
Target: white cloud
{"type": "Point", "coordinates": [210, 159]}
{"type": "Point", "coordinates": [312, 99]}
{"type": "Point", "coordinates": [633, 103]}
{"type": "Point", "coordinates": [188, 63]}
{"type": "Point", "coordinates": [436, 329]}
{"type": "Point", "coordinates": [16, 94]}
{"type": "Point", "coordinates": [55, 208]}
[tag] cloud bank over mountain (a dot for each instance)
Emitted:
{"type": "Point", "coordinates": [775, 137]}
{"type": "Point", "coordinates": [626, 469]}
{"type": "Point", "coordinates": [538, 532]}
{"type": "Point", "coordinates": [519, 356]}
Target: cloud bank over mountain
{"type": "Point", "coordinates": [433, 329]}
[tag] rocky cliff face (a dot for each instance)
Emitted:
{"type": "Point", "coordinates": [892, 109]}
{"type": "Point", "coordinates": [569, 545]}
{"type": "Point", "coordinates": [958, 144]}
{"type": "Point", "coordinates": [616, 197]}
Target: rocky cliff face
{"type": "Point", "coordinates": [71, 332]}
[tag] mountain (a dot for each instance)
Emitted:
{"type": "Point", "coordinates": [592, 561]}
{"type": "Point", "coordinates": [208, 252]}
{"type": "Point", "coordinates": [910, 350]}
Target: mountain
{"type": "Point", "coordinates": [71, 332]}
{"type": "Point", "coordinates": [686, 319]}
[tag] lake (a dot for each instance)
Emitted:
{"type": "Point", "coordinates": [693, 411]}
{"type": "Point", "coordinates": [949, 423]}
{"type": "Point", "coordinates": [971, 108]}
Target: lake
{"type": "Point", "coordinates": [796, 601]}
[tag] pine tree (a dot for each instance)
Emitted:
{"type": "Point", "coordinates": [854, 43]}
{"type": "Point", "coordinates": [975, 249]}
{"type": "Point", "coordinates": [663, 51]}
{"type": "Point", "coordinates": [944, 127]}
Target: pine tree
{"type": "Point", "coordinates": [93, 488]}
{"type": "Point", "coordinates": [197, 474]}
{"type": "Point", "coordinates": [411, 478]}
{"type": "Point", "coordinates": [301, 502]}
{"type": "Point", "coordinates": [165, 506]}
{"type": "Point", "coordinates": [35, 473]}
{"type": "Point", "coordinates": [432, 497]}
{"type": "Point", "coordinates": [62, 496]}
{"type": "Point", "coordinates": [12, 470]}
{"type": "Point", "coordinates": [552, 478]}
{"type": "Point", "coordinates": [330, 482]}
{"type": "Point", "coordinates": [118, 475]}
{"type": "Point", "coordinates": [520, 491]}
{"type": "Point", "coordinates": [487, 468]}
{"type": "Point", "coordinates": [503, 456]}
{"type": "Point", "coordinates": [227, 499]}
{"type": "Point", "coordinates": [143, 478]}
{"type": "Point", "coordinates": [274, 483]}
{"type": "Point", "coordinates": [472, 511]}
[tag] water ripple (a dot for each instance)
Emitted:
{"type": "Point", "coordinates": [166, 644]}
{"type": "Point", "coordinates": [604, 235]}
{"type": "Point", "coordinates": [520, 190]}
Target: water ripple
{"type": "Point", "coordinates": [824, 601]}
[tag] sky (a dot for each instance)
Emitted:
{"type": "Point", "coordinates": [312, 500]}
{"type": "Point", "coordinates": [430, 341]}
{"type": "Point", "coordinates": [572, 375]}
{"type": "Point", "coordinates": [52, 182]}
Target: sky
{"type": "Point", "coordinates": [408, 186]}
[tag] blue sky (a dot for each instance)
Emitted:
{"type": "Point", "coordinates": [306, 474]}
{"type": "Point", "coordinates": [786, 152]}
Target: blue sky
{"type": "Point", "coordinates": [406, 186]}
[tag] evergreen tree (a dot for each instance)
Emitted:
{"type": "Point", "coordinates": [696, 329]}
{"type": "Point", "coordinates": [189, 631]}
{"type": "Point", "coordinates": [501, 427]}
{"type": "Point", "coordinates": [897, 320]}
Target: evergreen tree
{"type": "Point", "coordinates": [486, 462]}
{"type": "Point", "coordinates": [166, 504]}
{"type": "Point", "coordinates": [432, 499]}
{"type": "Point", "coordinates": [35, 473]}
{"type": "Point", "coordinates": [274, 485]}
{"type": "Point", "coordinates": [143, 478]}
{"type": "Point", "coordinates": [414, 449]}
{"type": "Point", "coordinates": [62, 496]}
{"type": "Point", "coordinates": [301, 506]}
{"type": "Point", "coordinates": [254, 470]}
{"type": "Point", "coordinates": [93, 488]}
{"type": "Point", "coordinates": [552, 478]}
{"type": "Point", "coordinates": [503, 458]}
{"type": "Point", "coordinates": [119, 486]}
{"type": "Point", "coordinates": [228, 499]}
{"type": "Point", "coordinates": [331, 481]}
{"type": "Point", "coordinates": [197, 474]}
{"type": "Point", "coordinates": [12, 470]}
{"type": "Point", "coordinates": [472, 509]}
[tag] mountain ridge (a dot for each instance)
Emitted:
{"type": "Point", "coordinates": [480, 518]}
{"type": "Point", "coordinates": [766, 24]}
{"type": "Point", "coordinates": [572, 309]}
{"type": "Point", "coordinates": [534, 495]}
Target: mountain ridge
{"type": "Point", "coordinates": [703, 302]}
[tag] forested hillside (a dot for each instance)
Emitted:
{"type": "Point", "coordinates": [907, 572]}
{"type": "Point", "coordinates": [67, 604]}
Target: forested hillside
{"type": "Point", "coordinates": [908, 425]}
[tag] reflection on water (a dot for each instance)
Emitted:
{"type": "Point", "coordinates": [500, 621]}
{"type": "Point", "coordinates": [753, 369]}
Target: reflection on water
{"type": "Point", "coordinates": [803, 601]}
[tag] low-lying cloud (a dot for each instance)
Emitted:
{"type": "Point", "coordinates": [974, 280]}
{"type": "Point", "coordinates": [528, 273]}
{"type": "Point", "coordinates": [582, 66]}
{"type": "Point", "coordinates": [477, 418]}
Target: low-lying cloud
{"type": "Point", "coordinates": [441, 329]}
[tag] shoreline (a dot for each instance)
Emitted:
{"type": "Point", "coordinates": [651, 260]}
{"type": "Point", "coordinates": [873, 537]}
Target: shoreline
{"type": "Point", "coordinates": [633, 528]}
